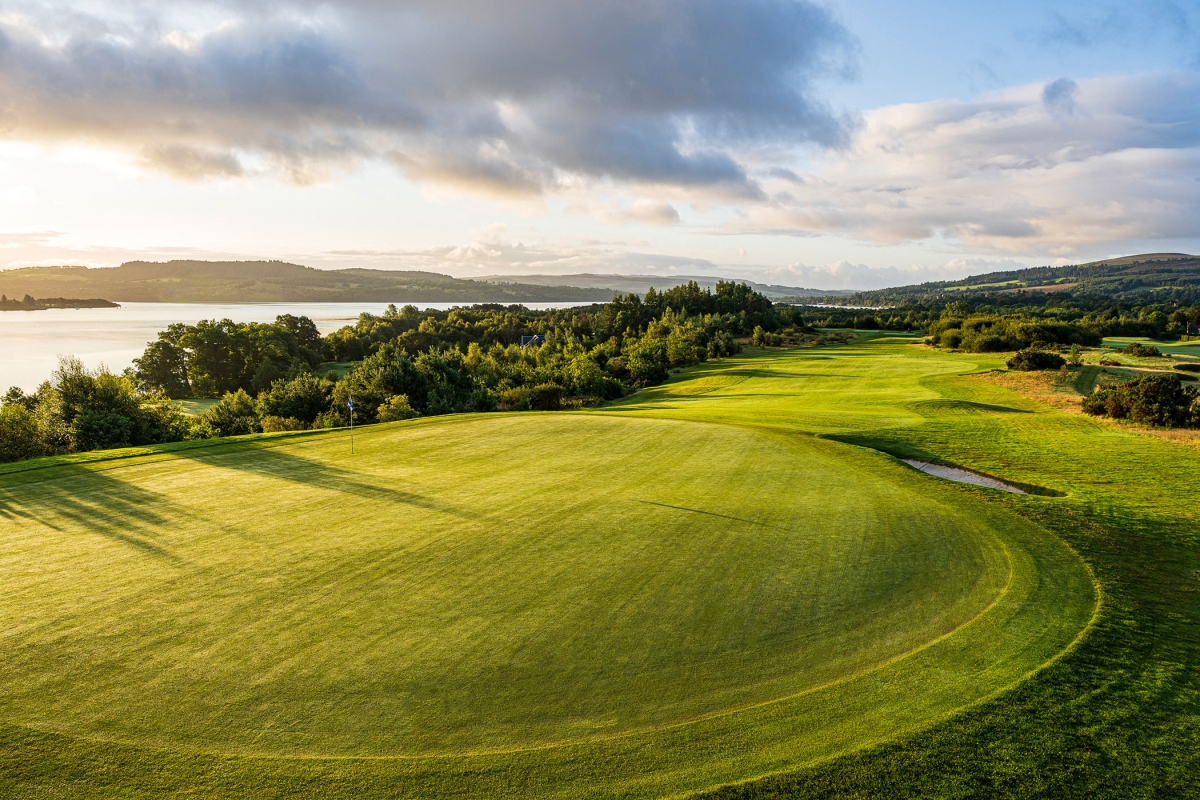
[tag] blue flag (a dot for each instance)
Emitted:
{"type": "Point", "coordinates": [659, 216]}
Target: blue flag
{"type": "Point", "coordinates": [350, 403]}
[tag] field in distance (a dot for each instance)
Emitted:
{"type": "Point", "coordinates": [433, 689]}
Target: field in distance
{"type": "Point", "coordinates": [683, 591]}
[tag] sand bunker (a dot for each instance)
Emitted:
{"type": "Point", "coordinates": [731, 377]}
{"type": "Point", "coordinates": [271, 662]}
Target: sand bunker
{"type": "Point", "coordinates": [961, 475]}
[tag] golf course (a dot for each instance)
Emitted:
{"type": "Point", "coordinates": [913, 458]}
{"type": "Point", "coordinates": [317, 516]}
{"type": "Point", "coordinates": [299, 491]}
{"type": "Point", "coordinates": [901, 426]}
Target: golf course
{"type": "Point", "coordinates": [727, 584]}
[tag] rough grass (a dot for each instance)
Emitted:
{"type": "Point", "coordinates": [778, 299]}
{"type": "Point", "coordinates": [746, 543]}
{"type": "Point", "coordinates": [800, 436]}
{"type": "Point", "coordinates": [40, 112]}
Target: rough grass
{"type": "Point", "coordinates": [1053, 390]}
{"type": "Point", "coordinates": [723, 578]}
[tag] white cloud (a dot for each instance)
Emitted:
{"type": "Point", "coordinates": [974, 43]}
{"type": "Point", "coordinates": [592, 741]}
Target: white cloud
{"type": "Point", "coordinates": [847, 275]}
{"type": "Point", "coordinates": [643, 211]}
{"type": "Point", "coordinates": [1040, 170]}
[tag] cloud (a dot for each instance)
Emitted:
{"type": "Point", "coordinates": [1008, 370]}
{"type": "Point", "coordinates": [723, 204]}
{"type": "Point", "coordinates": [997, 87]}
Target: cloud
{"type": "Point", "coordinates": [648, 212]}
{"type": "Point", "coordinates": [10, 241]}
{"type": "Point", "coordinates": [1033, 170]}
{"type": "Point", "coordinates": [847, 275]}
{"type": "Point", "coordinates": [1059, 96]}
{"type": "Point", "coordinates": [189, 163]}
{"type": "Point", "coordinates": [514, 97]}
{"type": "Point", "coordinates": [494, 253]}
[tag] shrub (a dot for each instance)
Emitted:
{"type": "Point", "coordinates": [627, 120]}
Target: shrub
{"type": "Point", "coordinates": [1029, 360]}
{"type": "Point", "coordinates": [395, 409]}
{"type": "Point", "coordinates": [515, 399]}
{"type": "Point", "coordinates": [19, 434]}
{"type": "Point", "coordinates": [1159, 399]}
{"type": "Point", "coordinates": [101, 430]}
{"type": "Point", "coordinates": [328, 419]}
{"type": "Point", "coordinates": [720, 345]}
{"type": "Point", "coordinates": [1141, 350]}
{"type": "Point", "coordinates": [546, 397]}
{"type": "Point", "coordinates": [232, 415]}
{"type": "Point", "coordinates": [273, 424]}
{"type": "Point", "coordinates": [587, 379]}
{"type": "Point", "coordinates": [304, 398]}
{"type": "Point", "coordinates": [648, 361]}
{"type": "Point", "coordinates": [994, 334]}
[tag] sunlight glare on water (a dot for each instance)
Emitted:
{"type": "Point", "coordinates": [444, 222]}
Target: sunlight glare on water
{"type": "Point", "coordinates": [33, 340]}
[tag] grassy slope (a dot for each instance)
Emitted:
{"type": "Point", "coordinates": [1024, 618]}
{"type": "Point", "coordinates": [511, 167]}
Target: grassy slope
{"type": "Point", "coordinates": [191, 617]}
{"type": "Point", "coordinates": [1120, 715]}
{"type": "Point", "coordinates": [1139, 276]}
{"type": "Point", "coordinates": [1184, 350]}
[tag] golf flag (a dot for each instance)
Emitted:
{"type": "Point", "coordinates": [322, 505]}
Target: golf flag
{"type": "Point", "coordinates": [350, 403]}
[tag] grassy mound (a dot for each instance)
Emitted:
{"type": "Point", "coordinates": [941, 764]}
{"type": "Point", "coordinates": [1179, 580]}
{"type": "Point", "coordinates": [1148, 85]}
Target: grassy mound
{"type": "Point", "coordinates": [633, 601]}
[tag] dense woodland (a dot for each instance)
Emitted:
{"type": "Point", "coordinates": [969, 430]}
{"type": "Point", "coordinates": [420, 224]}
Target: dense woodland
{"type": "Point", "coordinates": [1140, 279]}
{"type": "Point", "coordinates": [272, 282]}
{"type": "Point", "coordinates": [403, 363]}
{"type": "Point", "coordinates": [406, 362]}
{"type": "Point", "coordinates": [1000, 323]}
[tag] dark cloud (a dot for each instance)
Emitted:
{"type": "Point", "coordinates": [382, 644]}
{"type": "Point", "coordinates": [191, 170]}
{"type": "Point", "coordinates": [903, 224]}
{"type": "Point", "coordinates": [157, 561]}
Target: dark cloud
{"type": "Point", "coordinates": [1059, 96]}
{"type": "Point", "coordinates": [509, 96]}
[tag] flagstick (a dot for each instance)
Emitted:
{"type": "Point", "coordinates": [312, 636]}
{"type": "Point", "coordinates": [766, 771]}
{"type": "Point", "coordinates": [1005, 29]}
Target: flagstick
{"type": "Point", "coordinates": [351, 404]}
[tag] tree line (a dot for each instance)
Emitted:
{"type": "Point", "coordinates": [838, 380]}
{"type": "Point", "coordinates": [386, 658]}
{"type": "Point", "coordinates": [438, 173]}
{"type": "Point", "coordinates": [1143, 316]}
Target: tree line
{"type": "Point", "coordinates": [1090, 317]}
{"type": "Point", "coordinates": [399, 364]}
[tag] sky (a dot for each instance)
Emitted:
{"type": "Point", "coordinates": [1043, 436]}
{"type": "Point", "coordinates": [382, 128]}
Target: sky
{"type": "Point", "coordinates": [851, 144]}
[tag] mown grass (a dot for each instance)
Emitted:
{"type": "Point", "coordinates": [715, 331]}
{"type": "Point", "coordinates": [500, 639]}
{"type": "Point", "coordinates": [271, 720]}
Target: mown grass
{"type": "Point", "coordinates": [1118, 716]}
{"type": "Point", "coordinates": [1183, 350]}
{"type": "Point", "coordinates": [196, 407]}
{"type": "Point", "coordinates": [724, 578]}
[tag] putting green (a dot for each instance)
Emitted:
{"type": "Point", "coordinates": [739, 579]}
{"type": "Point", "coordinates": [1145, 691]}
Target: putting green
{"type": "Point", "coordinates": [517, 604]}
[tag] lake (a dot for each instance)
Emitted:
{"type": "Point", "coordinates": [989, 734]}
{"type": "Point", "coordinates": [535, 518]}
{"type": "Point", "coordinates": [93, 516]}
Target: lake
{"type": "Point", "coordinates": [33, 340]}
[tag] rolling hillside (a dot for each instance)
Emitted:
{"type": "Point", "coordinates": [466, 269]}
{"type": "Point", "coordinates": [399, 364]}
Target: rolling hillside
{"type": "Point", "coordinates": [1151, 277]}
{"type": "Point", "coordinates": [640, 283]}
{"type": "Point", "coordinates": [274, 282]}
{"type": "Point", "coordinates": [724, 587]}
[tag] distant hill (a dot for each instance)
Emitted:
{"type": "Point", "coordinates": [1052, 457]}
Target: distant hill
{"type": "Point", "coordinates": [1151, 277]}
{"type": "Point", "coordinates": [274, 282]}
{"type": "Point", "coordinates": [640, 283]}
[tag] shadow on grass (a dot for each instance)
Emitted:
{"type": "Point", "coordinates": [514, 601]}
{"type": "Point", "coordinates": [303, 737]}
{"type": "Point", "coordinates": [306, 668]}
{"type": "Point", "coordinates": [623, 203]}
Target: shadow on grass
{"type": "Point", "coordinates": [712, 514]}
{"type": "Point", "coordinates": [964, 405]}
{"type": "Point", "coordinates": [275, 462]}
{"type": "Point", "coordinates": [98, 503]}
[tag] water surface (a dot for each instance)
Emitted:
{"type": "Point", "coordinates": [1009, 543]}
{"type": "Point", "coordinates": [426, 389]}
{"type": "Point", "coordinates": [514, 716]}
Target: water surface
{"type": "Point", "coordinates": [31, 341]}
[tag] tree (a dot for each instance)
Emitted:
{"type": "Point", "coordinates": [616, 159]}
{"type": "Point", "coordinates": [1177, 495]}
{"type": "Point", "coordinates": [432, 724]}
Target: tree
{"type": "Point", "coordinates": [232, 415]}
{"type": "Point", "coordinates": [163, 367]}
{"type": "Point", "coordinates": [1157, 399]}
{"type": "Point", "coordinates": [302, 398]}
{"type": "Point", "coordinates": [396, 408]}
{"type": "Point", "coordinates": [19, 434]}
{"type": "Point", "coordinates": [1029, 360]}
{"type": "Point", "coordinates": [647, 361]}
{"type": "Point", "coordinates": [546, 397]}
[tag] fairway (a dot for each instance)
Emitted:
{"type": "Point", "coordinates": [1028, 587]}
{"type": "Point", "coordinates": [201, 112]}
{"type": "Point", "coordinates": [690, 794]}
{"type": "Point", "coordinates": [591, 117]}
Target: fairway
{"type": "Point", "coordinates": [668, 595]}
